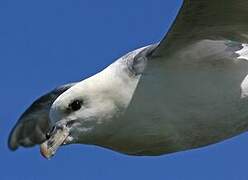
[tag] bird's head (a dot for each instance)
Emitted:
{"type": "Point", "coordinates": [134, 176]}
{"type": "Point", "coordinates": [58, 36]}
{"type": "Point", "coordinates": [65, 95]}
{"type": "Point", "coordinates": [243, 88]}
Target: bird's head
{"type": "Point", "coordinates": [82, 113]}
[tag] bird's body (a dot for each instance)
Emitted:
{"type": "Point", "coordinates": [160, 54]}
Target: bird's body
{"type": "Point", "coordinates": [203, 102]}
{"type": "Point", "coordinates": [188, 91]}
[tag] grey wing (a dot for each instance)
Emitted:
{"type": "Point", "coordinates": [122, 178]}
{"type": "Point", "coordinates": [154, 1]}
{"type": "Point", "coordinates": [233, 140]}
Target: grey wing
{"type": "Point", "coordinates": [211, 19]}
{"type": "Point", "coordinates": [190, 91]}
{"type": "Point", "coordinates": [33, 124]}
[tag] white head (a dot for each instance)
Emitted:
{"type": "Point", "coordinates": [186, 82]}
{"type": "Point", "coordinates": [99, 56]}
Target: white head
{"type": "Point", "coordinates": [86, 111]}
{"type": "Point", "coordinates": [87, 106]}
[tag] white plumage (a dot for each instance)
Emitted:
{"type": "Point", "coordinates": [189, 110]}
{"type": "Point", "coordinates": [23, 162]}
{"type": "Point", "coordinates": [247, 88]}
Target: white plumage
{"type": "Point", "coordinates": [188, 91]}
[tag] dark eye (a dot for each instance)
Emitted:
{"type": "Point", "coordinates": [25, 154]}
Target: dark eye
{"type": "Point", "coordinates": [75, 105]}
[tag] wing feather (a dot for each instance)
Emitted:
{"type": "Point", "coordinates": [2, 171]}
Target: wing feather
{"type": "Point", "coordinates": [207, 19]}
{"type": "Point", "coordinates": [34, 122]}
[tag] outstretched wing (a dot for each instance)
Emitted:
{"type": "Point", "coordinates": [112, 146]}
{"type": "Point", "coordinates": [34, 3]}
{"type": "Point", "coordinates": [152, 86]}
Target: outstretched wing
{"type": "Point", "coordinates": [32, 126]}
{"type": "Point", "coordinates": [190, 92]}
{"type": "Point", "coordinates": [207, 19]}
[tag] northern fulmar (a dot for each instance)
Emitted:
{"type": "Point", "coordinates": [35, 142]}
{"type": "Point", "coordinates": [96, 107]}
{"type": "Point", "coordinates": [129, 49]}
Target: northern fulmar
{"type": "Point", "coordinates": [187, 91]}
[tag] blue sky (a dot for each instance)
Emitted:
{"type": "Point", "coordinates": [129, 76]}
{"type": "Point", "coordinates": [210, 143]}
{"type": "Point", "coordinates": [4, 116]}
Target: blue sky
{"type": "Point", "coordinates": [47, 43]}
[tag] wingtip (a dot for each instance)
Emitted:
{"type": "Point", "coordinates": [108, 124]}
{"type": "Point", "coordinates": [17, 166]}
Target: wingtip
{"type": "Point", "coordinates": [12, 141]}
{"type": "Point", "coordinates": [12, 145]}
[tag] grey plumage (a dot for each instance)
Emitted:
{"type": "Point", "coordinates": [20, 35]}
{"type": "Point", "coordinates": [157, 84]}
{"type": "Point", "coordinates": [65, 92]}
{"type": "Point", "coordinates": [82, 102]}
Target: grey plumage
{"type": "Point", "coordinates": [192, 87]}
{"type": "Point", "coordinates": [33, 124]}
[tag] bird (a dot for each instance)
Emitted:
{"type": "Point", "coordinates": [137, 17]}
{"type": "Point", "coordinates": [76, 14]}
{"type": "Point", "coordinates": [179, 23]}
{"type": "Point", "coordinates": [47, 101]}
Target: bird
{"type": "Point", "coordinates": [187, 91]}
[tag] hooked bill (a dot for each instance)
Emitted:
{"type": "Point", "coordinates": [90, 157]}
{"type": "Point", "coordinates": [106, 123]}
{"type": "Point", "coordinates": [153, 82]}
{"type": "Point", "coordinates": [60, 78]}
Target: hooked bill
{"type": "Point", "coordinates": [49, 147]}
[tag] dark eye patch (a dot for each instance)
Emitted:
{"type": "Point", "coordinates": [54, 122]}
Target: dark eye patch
{"type": "Point", "coordinates": [76, 105]}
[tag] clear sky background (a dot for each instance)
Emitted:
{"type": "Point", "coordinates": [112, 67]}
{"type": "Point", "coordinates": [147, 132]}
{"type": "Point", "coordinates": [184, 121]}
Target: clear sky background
{"type": "Point", "coordinates": [47, 43]}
